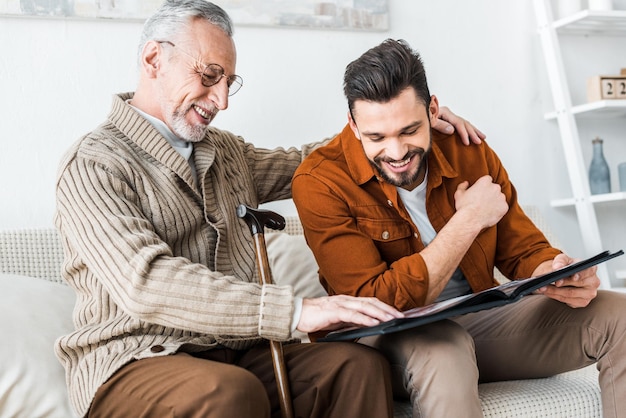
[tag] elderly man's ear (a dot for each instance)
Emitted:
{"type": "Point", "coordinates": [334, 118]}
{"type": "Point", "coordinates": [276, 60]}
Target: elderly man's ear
{"type": "Point", "coordinates": [150, 58]}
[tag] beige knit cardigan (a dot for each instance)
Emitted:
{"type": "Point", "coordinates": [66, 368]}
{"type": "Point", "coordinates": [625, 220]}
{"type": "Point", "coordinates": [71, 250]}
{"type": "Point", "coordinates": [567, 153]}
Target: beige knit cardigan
{"type": "Point", "coordinates": [156, 259]}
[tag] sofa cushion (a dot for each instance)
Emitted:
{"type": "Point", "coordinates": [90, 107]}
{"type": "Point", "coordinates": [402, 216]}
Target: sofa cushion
{"type": "Point", "coordinates": [292, 263]}
{"type": "Point", "coordinates": [34, 313]}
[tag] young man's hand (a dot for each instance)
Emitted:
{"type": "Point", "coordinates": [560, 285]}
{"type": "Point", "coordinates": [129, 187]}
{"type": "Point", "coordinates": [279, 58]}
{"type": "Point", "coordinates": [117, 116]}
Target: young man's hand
{"type": "Point", "coordinates": [482, 203]}
{"type": "Point", "coordinates": [577, 291]}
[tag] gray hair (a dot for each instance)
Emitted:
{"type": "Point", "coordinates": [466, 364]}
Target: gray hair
{"type": "Point", "coordinates": [173, 15]}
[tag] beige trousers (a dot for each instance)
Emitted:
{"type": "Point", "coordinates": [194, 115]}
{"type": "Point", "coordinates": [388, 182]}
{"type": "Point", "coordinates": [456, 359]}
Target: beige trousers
{"type": "Point", "coordinates": [438, 366]}
{"type": "Point", "coordinates": [326, 380]}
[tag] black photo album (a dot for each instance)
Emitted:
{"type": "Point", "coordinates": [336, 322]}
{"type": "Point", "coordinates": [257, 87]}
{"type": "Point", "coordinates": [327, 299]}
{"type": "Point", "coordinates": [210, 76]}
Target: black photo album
{"type": "Point", "coordinates": [504, 294]}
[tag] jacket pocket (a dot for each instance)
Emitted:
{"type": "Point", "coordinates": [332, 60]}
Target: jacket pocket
{"type": "Point", "coordinates": [392, 237]}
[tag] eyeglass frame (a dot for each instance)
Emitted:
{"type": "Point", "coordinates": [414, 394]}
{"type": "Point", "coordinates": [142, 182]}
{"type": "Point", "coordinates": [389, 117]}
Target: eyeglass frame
{"type": "Point", "coordinates": [231, 80]}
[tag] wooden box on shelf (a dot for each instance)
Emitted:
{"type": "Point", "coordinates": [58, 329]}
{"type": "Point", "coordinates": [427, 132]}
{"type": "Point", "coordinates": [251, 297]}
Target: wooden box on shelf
{"type": "Point", "coordinates": [603, 87]}
{"type": "Point", "coordinates": [620, 85]}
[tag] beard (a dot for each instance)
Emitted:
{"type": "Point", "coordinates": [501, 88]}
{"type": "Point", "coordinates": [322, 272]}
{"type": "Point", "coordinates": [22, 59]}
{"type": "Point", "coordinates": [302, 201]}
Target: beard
{"type": "Point", "coordinates": [185, 130]}
{"type": "Point", "coordinates": [407, 178]}
{"type": "Point", "coordinates": [179, 125]}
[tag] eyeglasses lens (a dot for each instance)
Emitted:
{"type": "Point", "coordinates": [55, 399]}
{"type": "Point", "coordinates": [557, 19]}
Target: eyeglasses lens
{"type": "Point", "coordinates": [213, 73]}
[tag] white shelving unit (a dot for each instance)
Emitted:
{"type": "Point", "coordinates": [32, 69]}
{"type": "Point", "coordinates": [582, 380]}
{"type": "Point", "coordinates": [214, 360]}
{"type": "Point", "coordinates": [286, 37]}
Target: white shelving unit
{"type": "Point", "coordinates": [587, 22]}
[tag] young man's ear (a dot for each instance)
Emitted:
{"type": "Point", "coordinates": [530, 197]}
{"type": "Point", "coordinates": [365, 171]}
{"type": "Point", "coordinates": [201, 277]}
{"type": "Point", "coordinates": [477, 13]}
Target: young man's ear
{"type": "Point", "coordinates": [433, 109]}
{"type": "Point", "coordinates": [353, 126]}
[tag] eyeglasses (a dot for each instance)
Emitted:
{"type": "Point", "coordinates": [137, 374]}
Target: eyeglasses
{"type": "Point", "coordinates": [213, 73]}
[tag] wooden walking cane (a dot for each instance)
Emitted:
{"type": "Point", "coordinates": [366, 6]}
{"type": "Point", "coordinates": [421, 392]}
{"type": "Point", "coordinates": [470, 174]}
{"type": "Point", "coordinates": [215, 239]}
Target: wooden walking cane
{"type": "Point", "coordinates": [257, 220]}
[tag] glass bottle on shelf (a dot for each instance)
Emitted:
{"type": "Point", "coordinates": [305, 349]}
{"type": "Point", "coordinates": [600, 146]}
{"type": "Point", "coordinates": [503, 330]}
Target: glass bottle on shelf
{"type": "Point", "coordinates": [599, 174]}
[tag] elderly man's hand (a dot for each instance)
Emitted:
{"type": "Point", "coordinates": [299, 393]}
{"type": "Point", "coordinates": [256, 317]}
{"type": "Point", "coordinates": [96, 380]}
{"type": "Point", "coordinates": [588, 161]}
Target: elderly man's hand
{"type": "Point", "coordinates": [334, 312]}
{"type": "Point", "coordinates": [448, 122]}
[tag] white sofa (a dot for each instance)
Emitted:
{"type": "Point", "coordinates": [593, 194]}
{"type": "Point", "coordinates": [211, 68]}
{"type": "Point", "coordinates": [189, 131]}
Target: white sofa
{"type": "Point", "coordinates": [36, 307]}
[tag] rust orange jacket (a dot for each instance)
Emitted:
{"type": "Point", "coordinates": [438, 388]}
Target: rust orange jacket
{"type": "Point", "coordinates": [365, 242]}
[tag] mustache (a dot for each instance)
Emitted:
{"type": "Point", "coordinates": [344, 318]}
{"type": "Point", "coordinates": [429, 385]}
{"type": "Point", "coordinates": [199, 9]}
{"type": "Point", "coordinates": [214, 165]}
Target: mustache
{"type": "Point", "coordinates": [210, 109]}
{"type": "Point", "coordinates": [410, 154]}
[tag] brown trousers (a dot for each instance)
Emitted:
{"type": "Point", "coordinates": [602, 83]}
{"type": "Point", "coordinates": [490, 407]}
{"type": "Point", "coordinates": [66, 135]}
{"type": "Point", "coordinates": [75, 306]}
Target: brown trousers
{"type": "Point", "coordinates": [439, 366]}
{"type": "Point", "coordinates": [326, 380]}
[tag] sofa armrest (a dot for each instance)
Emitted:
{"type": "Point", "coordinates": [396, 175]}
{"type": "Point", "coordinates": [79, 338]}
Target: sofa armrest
{"type": "Point", "coordinates": [32, 252]}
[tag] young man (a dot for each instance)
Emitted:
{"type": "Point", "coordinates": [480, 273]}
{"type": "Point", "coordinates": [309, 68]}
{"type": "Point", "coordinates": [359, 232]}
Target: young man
{"type": "Point", "coordinates": [395, 210]}
{"type": "Point", "coordinates": [170, 319]}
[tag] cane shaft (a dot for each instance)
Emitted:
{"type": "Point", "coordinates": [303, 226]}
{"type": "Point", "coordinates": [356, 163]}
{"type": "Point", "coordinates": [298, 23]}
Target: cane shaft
{"type": "Point", "coordinates": [276, 348]}
{"type": "Point", "coordinates": [262, 262]}
{"type": "Point", "coordinates": [282, 380]}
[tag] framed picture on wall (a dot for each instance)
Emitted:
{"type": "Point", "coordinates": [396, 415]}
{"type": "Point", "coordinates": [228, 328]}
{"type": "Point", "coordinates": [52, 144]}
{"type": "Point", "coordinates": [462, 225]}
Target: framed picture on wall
{"type": "Point", "coordinates": [372, 15]}
{"type": "Point", "coordinates": [338, 14]}
{"type": "Point", "coordinates": [85, 9]}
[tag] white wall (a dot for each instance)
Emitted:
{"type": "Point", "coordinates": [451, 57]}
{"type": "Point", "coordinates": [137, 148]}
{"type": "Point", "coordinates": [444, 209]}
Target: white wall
{"type": "Point", "coordinates": [483, 60]}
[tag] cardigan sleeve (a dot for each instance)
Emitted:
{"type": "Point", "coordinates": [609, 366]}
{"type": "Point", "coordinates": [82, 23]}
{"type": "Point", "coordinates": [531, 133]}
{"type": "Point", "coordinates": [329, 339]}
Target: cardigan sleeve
{"type": "Point", "coordinates": [273, 169]}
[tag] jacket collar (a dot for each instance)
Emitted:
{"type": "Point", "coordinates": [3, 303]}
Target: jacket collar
{"type": "Point", "coordinates": [438, 165]}
{"type": "Point", "coordinates": [359, 166]}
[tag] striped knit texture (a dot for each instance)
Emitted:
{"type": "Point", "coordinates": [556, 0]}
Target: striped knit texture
{"type": "Point", "coordinates": [157, 259]}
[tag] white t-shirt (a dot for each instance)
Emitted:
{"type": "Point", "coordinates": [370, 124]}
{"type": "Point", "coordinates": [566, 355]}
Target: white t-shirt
{"type": "Point", "coordinates": [415, 202]}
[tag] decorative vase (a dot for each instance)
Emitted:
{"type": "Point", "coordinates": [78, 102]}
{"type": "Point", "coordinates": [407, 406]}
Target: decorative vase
{"type": "Point", "coordinates": [621, 172]}
{"type": "Point", "coordinates": [599, 174]}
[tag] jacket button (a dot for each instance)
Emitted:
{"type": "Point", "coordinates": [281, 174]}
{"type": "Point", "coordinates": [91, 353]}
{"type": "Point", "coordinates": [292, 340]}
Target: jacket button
{"type": "Point", "coordinates": [157, 348]}
{"type": "Point", "coordinates": [390, 203]}
{"type": "Point", "coordinates": [386, 235]}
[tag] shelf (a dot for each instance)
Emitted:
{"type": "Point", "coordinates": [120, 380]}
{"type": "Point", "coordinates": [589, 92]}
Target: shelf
{"type": "Point", "coordinates": [587, 22]}
{"type": "Point", "coordinates": [596, 198]}
{"type": "Point", "coordinates": [608, 109]}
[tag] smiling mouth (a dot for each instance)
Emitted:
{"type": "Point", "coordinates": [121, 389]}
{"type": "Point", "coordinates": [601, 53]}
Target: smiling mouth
{"type": "Point", "coordinates": [399, 164]}
{"type": "Point", "coordinates": [202, 112]}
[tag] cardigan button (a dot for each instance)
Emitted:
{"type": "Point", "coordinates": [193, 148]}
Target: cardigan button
{"type": "Point", "coordinates": [386, 235]}
{"type": "Point", "coordinates": [390, 203]}
{"type": "Point", "coordinates": [157, 348]}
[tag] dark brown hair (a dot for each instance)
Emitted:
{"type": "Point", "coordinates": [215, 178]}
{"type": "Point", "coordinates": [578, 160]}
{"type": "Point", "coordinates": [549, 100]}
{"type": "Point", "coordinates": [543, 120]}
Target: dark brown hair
{"type": "Point", "coordinates": [383, 72]}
